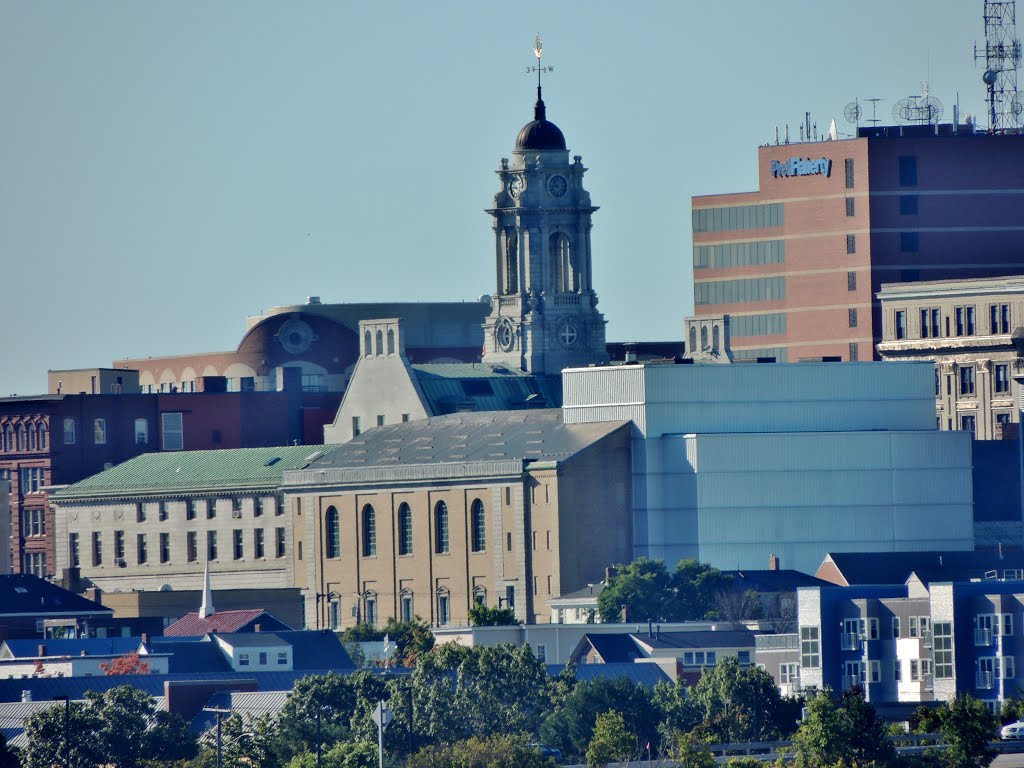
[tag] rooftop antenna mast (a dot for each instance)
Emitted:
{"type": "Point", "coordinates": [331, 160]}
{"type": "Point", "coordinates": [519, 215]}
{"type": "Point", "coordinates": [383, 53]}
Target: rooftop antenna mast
{"type": "Point", "coordinates": [874, 111]}
{"type": "Point", "coordinates": [1002, 60]}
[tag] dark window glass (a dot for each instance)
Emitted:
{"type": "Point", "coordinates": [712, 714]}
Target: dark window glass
{"type": "Point", "coordinates": [479, 526]}
{"type": "Point", "coordinates": [908, 205]}
{"type": "Point", "coordinates": [849, 206]}
{"type": "Point", "coordinates": [369, 532]}
{"type": "Point", "coordinates": [851, 281]}
{"type": "Point", "coordinates": [967, 380]}
{"type": "Point", "coordinates": [853, 317]}
{"type": "Point", "coordinates": [404, 530]}
{"type": "Point", "coordinates": [901, 324]}
{"type": "Point", "coordinates": [849, 173]}
{"type": "Point", "coordinates": [851, 243]}
{"type": "Point", "coordinates": [441, 543]}
{"type": "Point", "coordinates": [909, 242]}
{"type": "Point", "coordinates": [908, 171]}
{"type": "Point", "coordinates": [333, 533]}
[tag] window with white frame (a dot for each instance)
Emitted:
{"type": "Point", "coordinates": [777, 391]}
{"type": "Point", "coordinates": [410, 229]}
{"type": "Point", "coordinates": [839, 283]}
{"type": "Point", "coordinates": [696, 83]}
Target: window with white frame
{"type": "Point", "coordinates": [789, 673]}
{"type": "Point", "coordinates": [99, 431]}
{"type": "Point", "coordinates": [172, 431]}
{"type": "Point", "coordinates": [810, 648]}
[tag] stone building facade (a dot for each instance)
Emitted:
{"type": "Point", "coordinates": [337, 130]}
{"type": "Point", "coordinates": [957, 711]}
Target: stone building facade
{"type": "Point", "coordinates": [970, 328]}
{"type": "Point", "coordinates": [425, 518]}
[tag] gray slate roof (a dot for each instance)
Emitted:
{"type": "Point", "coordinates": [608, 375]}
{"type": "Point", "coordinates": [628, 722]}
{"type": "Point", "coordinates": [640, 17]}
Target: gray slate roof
{"type": "Point", "coordinates": [535, 435]}
{"type": "Point", "coordinates": [896, 567]}
{"type": "Point", "coordinates": [22, 594]}
{"type": "Point", "coordinates": [451, 387]}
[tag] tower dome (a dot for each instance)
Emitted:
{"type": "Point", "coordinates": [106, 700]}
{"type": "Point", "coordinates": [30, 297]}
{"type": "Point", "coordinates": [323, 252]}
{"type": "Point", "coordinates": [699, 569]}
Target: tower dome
{"type": "Point", "coordinates": [540, 133]}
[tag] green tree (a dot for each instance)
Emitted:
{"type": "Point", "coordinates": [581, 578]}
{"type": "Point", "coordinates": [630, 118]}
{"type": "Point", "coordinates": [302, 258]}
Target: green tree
{"type": "Point", "coordinates": [741, 703]}
{"type": "Point", "coordinates": [925, 720]}
{"type": "Point", "coordinates": [611, 742]}
{"type": "Point", "coordinates": [459, 692]}
{"type": "Point", "coordinates": [482, 616]}
{"type": "Point", "coordinates": [170, 737]}
{"type": "Point", "coordinates": [967, 728]}
{"type": "Point", "coordinates": [45, 731]}
{"type": "Point", "coordinates": [8, 755]}
{"type": "Point", "coordinates": [244, 743]}
{"type": "Point", "coordinates": [411, 639]}
{"type": "Point", "coordinates": [678, 712]}
{"type": "Point", "coordinates": [124, 714]}
{"type": "Point", "coordinates": [643, 587]}
{"type": "Point", "coordinates": [343, 704]}
{"type": "Point", "coordinates": [696, 588]}
{"type": "Point", "coordinates": [845, 730]}
{"type": "Point", "coordinates": [571, 727]}
{"type": "Point", "coordinates": [869, 739]}
{"type": "Point", "coordinates": [686, 751]}
{"type": "Point", "coordinates": [344, 754]}
{"type": "Point", "coordinates": [495, 751]}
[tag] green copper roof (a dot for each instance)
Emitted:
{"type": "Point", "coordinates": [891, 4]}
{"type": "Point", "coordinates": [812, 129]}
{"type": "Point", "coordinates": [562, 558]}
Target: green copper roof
{"type": "Point", "coordinates": [196, 471]}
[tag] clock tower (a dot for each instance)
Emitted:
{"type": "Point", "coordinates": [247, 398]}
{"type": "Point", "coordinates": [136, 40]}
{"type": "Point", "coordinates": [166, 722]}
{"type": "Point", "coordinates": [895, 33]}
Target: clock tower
{"type": "Point", "coordinates": [544, 312]}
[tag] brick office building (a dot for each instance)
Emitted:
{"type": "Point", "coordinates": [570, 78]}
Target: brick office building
{"type": "Point", "coordinates": [55, 440]}
{"type": "Point", "coordinates": [796, 265]}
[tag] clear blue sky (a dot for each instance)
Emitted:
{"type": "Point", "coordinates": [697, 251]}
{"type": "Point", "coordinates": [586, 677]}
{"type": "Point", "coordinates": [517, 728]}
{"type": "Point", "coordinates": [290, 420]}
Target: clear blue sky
{"type": "Point", "coordinates": [169, 168]}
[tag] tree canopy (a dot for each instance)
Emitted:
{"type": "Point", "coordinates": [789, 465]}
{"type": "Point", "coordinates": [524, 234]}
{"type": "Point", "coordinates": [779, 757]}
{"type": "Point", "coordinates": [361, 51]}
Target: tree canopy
{"type": "Point", "coordinates": [648, 592]}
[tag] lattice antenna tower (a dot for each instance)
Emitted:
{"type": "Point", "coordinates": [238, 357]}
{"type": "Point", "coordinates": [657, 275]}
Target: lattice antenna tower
{"type": "Point", "coordinates": [1002, 57]}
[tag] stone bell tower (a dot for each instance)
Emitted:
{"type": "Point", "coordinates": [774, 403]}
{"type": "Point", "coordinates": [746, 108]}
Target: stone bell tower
{"type": "Point", "coordinates": [544, 312]}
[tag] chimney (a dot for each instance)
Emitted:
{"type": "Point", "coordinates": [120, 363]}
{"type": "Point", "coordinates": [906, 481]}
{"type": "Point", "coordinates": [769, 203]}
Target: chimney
{"type": "Point", "coordinates": [84, 653]}
{"type": "Point", "coordinates": [41, 650]}
{"type": "Point", "coordinates": [145, 638]}
{"type": "Point", "coordinates": [773, 562]}
{"type": "Point", "coordinates": [609, 574]}
{"type": "Point", "coordinates": [624, 614]}
{"type": "Point", "coordinates": [26, 695]}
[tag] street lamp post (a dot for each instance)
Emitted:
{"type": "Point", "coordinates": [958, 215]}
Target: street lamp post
{"type": "Point", "coordinates": [219, 712]}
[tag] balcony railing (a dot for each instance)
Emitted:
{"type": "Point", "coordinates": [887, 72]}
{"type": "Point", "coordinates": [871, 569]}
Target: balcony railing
{"type": "Point", "coordinates": [982, 636]}
{"type": "Point", "coordinates": [984, 681]}
{"type": "Point", "coordinates": [850, 641]}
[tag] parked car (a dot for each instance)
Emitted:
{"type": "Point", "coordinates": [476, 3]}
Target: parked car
{"type": "Point", "coordinates": [556, 753]}
{"type": "Point", "coordinates": [1012, 731]}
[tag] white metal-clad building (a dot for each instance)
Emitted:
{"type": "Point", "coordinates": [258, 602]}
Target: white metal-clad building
{"type": "Point", "coordinates": [733, 463]}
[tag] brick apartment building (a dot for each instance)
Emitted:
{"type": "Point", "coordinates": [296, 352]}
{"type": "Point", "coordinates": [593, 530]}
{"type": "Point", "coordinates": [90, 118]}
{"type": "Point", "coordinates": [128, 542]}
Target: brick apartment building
{"type": "Point", "coordinates": [58, 439]}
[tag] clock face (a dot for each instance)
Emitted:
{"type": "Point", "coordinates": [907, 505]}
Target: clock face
{"type": "Point", "coordinates": [516, 186]}
{"type": "Point", "coordinates": [504, 335]}
{"type": "Point", "coordinates": [567, 333]}
{"type": "Point", "coordinates": [557, 185]}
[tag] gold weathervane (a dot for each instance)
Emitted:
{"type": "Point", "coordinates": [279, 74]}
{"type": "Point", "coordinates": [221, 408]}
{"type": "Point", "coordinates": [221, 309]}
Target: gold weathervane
{"type": "Point", "coordinates": [538, 51]}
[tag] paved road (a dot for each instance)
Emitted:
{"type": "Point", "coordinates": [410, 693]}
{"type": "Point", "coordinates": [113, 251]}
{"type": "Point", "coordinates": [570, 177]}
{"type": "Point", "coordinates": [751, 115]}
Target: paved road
{"type": "Point", "coordinates": [1009, 761]}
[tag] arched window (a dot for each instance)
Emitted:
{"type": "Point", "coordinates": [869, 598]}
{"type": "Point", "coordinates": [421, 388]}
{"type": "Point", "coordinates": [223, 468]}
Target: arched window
{"type": "Point", "coordinates": [367, 344]}
{"type": "Point", "coordinates": [714, 339]}
{"type": "Point", "coordinates": [441, 528]}
{"type": "Point", "coordinates": [7, 439]}
{"type": "Point", "coordinates": [332, 535]}
{"type": "Point", "coordinates": [404, 530]}
{"type": "Point", "coordinates": [380, 342]}
{"type": "Point", "coordinates": [480, 595]}
{"type": "Point", "coordinates": [703, 338]}
{"type": "Point", "coordinates": [43, 437]}
{"type": "Point", "coordinates": [693, 339]}
{"type": "Point", "coordinates": [563, 276]}
{"type": "Point", "coordinates": [21, 437]}
{"type": "Point", "coordinates": [31, 437]}
{"type": "Point", "coordinates": [444, 607]}
{"type": "Point", "coordinates": [511, 261]}
{"type": "Point", "coordinates": [369, 531]}
{"type": "Point", "coordinates": [478, 526]}
{"type": "Point", "coordinates": [391, 341]}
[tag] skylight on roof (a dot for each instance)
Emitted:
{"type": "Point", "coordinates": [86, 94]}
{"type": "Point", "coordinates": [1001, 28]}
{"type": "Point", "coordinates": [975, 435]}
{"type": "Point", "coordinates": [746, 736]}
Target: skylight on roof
{"type": "Point", "coordinates": [21, 590]}
{"type": "Point", "coordinates": [272, 462]}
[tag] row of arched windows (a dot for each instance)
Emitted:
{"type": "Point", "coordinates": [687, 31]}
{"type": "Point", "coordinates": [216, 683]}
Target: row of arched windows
{"type": "Point", "coordinates": [23, 437]}
{"type": "Point", "coordinates": [442, 539]}
{"type": "Point", "coordinates": [368, 343]}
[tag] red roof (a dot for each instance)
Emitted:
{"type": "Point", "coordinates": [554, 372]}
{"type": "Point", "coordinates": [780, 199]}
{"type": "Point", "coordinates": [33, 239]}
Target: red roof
{"type": "Point", "coordinates": [190, 625]}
